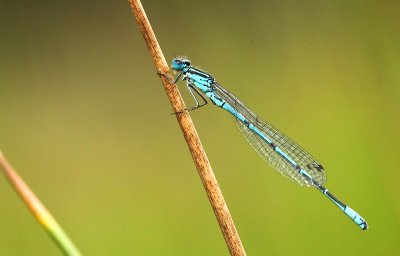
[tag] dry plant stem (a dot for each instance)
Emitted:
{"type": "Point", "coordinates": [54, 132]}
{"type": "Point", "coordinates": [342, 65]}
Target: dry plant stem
{"type": "Point", "coordinates": [196, 149]}
{"type": "Point", "coordinates": [37, 208]}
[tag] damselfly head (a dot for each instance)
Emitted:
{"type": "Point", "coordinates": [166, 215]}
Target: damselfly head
{"type": "Point", "coordinates": [179, 64]}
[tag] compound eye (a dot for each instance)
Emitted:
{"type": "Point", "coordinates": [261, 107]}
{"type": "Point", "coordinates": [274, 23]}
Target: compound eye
{"type": "Point", "coordinates": [187, 63]}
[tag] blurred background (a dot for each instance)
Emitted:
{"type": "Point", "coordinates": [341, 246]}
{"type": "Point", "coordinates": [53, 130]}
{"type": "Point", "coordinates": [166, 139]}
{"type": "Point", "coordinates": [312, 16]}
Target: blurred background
{"type": "Point", "coordinates": [85, 121]}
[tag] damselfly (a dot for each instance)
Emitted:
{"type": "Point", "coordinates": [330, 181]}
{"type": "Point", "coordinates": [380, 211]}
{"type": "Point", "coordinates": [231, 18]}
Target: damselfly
{"type": "Point", "coordinates": [282, 153]}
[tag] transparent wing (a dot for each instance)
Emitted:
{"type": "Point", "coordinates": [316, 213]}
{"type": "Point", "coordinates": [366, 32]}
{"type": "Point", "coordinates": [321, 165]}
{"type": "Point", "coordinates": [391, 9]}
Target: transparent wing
{"type": "Point", "coordinates": [305, 160]}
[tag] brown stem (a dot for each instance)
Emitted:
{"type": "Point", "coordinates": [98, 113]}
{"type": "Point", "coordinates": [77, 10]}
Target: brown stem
{"type": "Point", "coordinates": [203, 166]}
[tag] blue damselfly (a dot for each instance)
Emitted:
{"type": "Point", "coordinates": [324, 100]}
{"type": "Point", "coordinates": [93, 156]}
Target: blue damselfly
{"type": "Point", "coordinates": [282, 153]}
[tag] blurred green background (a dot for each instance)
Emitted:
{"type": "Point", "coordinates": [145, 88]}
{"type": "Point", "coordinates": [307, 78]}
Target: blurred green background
{"type": "Point", "coordinates": [86, 122]}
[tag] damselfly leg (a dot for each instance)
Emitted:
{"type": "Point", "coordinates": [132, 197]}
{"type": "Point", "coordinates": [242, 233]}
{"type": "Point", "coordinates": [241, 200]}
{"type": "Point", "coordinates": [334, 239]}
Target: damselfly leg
{"type": "Point", "coordinates": [192, 90]}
